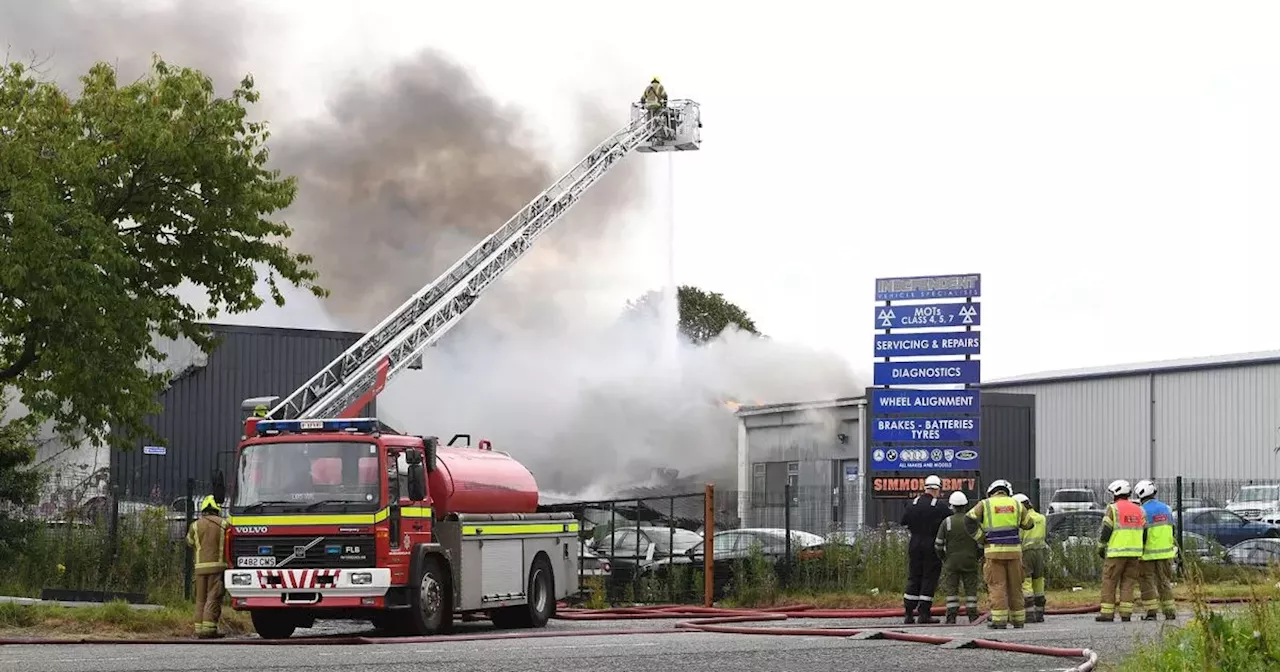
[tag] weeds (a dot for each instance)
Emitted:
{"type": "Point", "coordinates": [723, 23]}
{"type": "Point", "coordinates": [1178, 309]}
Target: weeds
{"type": "Point", "coordinates": [1232, 639]}
{"type": "Point", "coordinates": [149, 558]}
{"type": "Point", "coordinates": [111, 619]}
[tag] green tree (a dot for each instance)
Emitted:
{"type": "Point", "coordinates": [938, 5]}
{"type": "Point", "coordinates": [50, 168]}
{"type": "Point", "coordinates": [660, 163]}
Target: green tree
{"type": "Point", "coordinates": [18, 486]}
{"type": "Point", "coordinates": [109, 201]}
{"type": "Point", "coordinates": [703, 315]}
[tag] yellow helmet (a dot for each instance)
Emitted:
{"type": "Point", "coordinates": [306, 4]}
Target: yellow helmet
{"type": "Point", "coordinates": [655, 79]}
{"type": "Point", "coordinates": [209, 503]}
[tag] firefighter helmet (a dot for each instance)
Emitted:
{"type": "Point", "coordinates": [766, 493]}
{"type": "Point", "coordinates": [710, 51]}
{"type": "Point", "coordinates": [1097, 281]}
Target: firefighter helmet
{"type": "Point", "coordinates": [1119, 488]}
{"type": "Point", "coordinates": [1000, 484]}
{"type": "Point", "coordinates": [958, 499]}
{"type": "Point", "coordinates": [1023, 499]}
{"type": "Point", "coordinates": [209, 503]}
{"type": "Point", "coordinates": [932, 482]}
{"type": "Point", "coordinates": [1144, 489]}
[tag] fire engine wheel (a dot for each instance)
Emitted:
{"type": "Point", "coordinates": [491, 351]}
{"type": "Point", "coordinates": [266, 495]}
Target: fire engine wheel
{"type": "Point", "coordinates": [272, 625]}
{"type": "Point", "coordinates": [431, 608]}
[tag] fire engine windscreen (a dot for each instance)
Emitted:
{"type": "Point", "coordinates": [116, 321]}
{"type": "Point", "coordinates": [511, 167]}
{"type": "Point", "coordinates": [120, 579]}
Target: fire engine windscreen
{"type": "Point", "coordinates": [305, 477]}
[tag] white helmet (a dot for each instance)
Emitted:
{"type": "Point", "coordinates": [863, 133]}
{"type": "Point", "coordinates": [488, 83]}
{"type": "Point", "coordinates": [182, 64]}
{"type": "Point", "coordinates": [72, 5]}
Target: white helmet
{"type": "Point", "coordinates": [1023, 498]}
{"type": "Point", "coordinates": [958, 499]}
{"type": "Point", "coordinates": [933, 482]}
{"type": "Point", "coordinates": [1119, 488]}
{"type": "Point", "coordinates": [998, 484]}
{"type": "Point", "coordinates": [1144, 489]}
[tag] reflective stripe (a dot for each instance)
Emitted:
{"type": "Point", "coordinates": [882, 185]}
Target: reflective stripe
{"type": "Point", "coordinates": [518, 528]}
{"type": "Point", "coordinates": [413, 511]}
{"type": "Point", "coordinates": [193, 535]}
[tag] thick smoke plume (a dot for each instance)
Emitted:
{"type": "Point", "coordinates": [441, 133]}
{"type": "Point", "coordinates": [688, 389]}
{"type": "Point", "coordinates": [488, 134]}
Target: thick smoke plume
{"type": "Point", "coordinates": [410, 166]}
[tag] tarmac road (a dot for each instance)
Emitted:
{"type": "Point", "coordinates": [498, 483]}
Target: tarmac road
{"type": "Point", "coordinates": [611, 653]}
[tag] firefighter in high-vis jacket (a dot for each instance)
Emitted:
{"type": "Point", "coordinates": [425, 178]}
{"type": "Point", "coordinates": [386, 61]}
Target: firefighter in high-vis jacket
{"type": "Point", "coordinates": [997, 521]}
{"type": "Point", "coordinates": [1035, 552]}
{"type": "Point", "coordinates": [960, 554]}
{"type": "Point", "coordinates": [207, 536]}
{"type": "Point", "coordinates": [1157, 554]}
{"type": "Point", "coordinates": [654, 97]}
{"type": "Point", "coordinates": [1120, 544]}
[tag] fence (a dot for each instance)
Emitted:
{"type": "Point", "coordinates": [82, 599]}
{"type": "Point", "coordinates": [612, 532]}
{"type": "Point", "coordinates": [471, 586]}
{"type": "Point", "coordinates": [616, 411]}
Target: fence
{"type": "Point", "coordinates": [800, 541]}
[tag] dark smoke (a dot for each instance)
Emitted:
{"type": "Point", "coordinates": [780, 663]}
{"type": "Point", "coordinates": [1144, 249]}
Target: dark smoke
{"type": "Point", "coordinates": [414, 165]}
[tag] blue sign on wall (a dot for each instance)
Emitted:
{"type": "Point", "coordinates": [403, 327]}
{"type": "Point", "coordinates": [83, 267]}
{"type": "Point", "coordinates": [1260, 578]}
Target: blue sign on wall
{"type": "Point", "coordinates": [924, 401]}
{"type": "Point", "coordinates": [928, 373]}
{"type": "Point", "coordinates": [903, 430]}
{"type": "Point", "coordinates": [929, 344]}
{"type": "Point", "coordinates": [929, 316]}
{"type": "Point", "coordinates": [964, 286]}
{"type": "Point", "coordinates": [949, 458]}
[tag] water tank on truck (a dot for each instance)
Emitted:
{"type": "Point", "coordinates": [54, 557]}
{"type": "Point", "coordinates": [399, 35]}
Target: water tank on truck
{"type": "Point", "coordinates": [479, 480]}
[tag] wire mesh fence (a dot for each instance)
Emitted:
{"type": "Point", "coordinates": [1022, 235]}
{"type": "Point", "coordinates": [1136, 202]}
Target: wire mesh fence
{"type": "Point", "coordinates": [801, 540]}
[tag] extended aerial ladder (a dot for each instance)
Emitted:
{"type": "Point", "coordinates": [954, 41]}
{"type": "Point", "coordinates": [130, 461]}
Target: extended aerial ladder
{"type": "Point", "coordinates": [359, 374]}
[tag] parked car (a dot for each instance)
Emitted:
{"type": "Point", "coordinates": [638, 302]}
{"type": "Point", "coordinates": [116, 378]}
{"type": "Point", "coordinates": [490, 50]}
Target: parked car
{"type": "Point", "coordinates": [1256, 501]}
{"type": "Point", "coordinates": [1072, 499]}
{"type": "Point", "coordinates": [1224, 526]}
{"type": "Point", "coordinates": [732, 546]}
{"type": "Point", "coordinates": [631, 548]}
{"type": "Point", "coordinates": [1263, 552]}
{"type": "Point", "coordinates": [1068, 527]}
{"type": "Point", "coordinates": [1196, 503]}
{"type": "Point", "coordinates": [590, 564]}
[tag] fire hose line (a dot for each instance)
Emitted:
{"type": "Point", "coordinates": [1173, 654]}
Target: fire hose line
{"type": "Point", "coordinates": [692, 619]}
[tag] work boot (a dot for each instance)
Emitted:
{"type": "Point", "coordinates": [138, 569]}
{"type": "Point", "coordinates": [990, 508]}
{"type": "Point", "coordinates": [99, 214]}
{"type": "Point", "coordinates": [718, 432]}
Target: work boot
{"type": "Point", "coordinates": [925, 614]}
{"type": "Point", "coordinates": [1105, 618]}
{"type": "Point", "coordinates": [909, 611]}
{"type": "Point", "coordinates": [996, 626]}
{"type": "Point", "coordinates": [1039, 602]}
{"type": "Point", "coordinates": [206, 634]}
{"type": "Point", "coordinates": [1170, 615]}
{"type": "Point", "coordinates": [973, 615]}
{"type": "Point", "coordinates": [1150, 616]}
{"type": "Point", "coordinates": [1125, 619]}
{"type": "Point", "coordinates": [1019, 625]}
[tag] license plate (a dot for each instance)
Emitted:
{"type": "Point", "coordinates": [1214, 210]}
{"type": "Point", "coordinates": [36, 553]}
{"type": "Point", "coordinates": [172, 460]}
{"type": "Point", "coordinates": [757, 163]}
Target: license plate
{"type": "Point", "coordinates": [256, 561]}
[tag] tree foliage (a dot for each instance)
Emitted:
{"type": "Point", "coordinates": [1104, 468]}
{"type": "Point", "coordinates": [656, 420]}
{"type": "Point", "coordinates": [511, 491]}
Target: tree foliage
{"type": "Point", "coordinates": [18, 486]}
{"type": "Point", "coordinates": [109, 201]}
{"type": "Point", "coordinates": [703, 315]}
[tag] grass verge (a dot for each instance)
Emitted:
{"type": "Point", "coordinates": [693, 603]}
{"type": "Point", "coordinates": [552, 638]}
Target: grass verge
{"type": "Point", "coordinates": [111, 620]}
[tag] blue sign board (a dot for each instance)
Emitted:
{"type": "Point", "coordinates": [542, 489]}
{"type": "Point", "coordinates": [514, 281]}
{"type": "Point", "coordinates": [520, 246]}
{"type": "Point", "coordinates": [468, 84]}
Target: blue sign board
{"type": "Point", "coordinates": [928, 373]}
{"type": "Point", "coordinates": [949, 458]}
{"type": "Point", "coordinates": [929, 315]}
{"type": "Point", "coordinates": [964, 286]}
{"type": "Point", "coordinates": [906, 430]}
{"type": "Point", "coordinates": [924, 401]}
{"type": "Point", "coordinates": [929, 344]}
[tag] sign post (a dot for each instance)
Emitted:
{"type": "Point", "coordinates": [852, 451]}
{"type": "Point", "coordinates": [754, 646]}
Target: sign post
{"type": "Point", "coordinates": [925, 412]}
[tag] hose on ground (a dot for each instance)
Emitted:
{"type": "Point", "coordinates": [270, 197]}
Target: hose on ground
{"type": "Point", "coordinates": [692, 619]}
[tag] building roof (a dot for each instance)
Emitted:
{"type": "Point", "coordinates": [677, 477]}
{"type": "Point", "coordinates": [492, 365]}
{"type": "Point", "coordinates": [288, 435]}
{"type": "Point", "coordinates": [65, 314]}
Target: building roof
{"type": "Point", "coordinates": [1141, 368]}
{"type": "Point", "coordinates": [765, 409]}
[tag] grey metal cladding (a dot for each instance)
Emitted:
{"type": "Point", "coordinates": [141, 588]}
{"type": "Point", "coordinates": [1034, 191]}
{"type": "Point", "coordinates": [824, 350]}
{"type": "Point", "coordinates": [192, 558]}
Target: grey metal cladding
{"type": "Point", "coordinates": [201, 421]}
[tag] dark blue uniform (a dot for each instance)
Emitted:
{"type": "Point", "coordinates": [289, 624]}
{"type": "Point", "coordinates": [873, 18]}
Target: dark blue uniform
{"type": "Point", "coordinates": [923, 517]}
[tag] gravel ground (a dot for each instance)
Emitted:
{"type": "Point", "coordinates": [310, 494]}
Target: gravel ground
{"type": "Point", "coordinates": [609, 653]}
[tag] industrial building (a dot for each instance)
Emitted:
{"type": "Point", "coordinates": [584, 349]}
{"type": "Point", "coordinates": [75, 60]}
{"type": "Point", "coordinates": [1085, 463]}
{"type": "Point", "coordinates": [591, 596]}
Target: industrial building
{"type": "Point", "coordinates": [1214, 421]}
{"type": "Point", "coordinates": [1203, 418]}
{"type": "Point", "coordinates": [201, 421]}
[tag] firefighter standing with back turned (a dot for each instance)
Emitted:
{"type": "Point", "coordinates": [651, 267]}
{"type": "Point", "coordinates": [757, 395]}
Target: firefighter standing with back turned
{"type": "Point", "coordinates": [1157, 554]}
{"type": "Point", "coordinates": [923, 516]}
{"type": "Point", "coordinates": [997, 521]}
{"type": "Point", "coordinates": [1035, 553]}
{"type": "Point", "coordinates": [1120, 544]}
{"type": "Point", "coordinates": [960, 554]}
{"type": "Point", "coordinates": [207, 536]}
